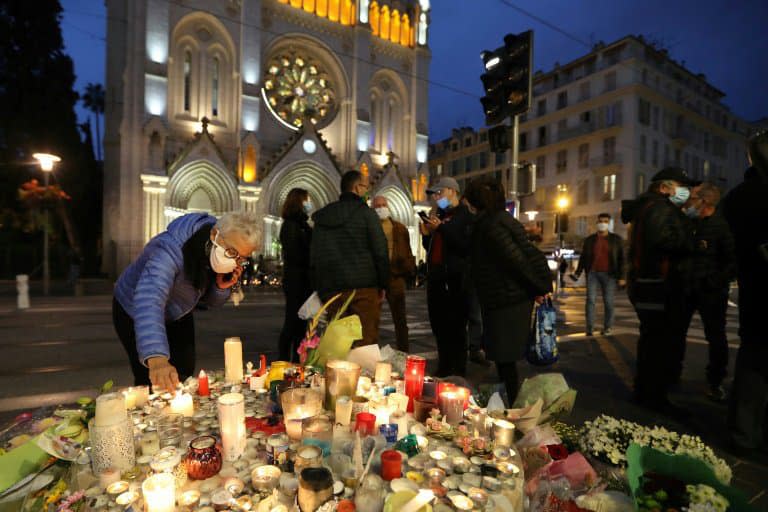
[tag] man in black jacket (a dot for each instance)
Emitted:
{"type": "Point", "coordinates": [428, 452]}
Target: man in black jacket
{"type": "Point", "coordinates": [660, 244]}
{"type": "Point", "coordinates": [713, 267]}
{"type": "Point", "coordinates": [349, 253]}
{"type": "Point", "coordinates": [602, 258]}
{"type": "Point", "coordinates": [746, 210]}
{"type": "Point", "coordinates": [447, 237]}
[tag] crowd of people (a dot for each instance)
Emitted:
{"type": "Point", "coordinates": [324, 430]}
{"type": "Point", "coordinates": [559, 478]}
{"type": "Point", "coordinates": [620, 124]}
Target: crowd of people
{"type": "Point", "coordinates": [483, 275]}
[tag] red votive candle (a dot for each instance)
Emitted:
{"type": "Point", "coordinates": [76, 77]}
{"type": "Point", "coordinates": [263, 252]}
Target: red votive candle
{"type": "Point", "coordinates": [365, 423]}
{"type": "Point", "coordinates": [391, 464]}
{"type": "Point", "coordinates": [414, 378]}
{"type": "Point", "coordinates": [202, 384]}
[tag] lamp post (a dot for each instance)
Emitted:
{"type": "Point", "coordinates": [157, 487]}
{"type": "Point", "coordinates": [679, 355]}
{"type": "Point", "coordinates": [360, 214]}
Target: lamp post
{"type": "Point", "coordinates": [46, 161]}
{"type": "Point", "coordinates": [562, 205]}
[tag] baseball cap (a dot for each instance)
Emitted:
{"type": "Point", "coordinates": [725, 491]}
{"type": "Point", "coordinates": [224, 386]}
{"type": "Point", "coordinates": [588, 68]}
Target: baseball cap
{"type": "Point", "coordinates": [444, 183]}
{"type": "Point", "coordinates": [675, 174]}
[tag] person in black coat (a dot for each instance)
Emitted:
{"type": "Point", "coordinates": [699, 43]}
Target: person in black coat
{"type": "Point", "coordinates": [295, 238]}
{"type": "Point", "coordinates": [509, 273]}
{"type": "Point", "coordinates": [746, 210]}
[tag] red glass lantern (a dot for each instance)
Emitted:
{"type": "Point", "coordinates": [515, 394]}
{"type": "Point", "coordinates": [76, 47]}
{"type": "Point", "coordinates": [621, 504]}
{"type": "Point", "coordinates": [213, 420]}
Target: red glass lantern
{"type": "Point", "coordinates": [204, 458]}
{"type": "Point", "coordinates": [365, 423]}
{"type": "Point", "coordinates": [414, 378]}
{"type": "Point", "coordinates": [391, 465]}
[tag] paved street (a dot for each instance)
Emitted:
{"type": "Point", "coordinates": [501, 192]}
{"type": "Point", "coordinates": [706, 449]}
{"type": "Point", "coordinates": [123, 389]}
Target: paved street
{"type": "Point", "coordinates": [64, 347]}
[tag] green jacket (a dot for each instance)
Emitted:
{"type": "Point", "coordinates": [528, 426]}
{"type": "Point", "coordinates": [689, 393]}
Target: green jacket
{"type": "Point", "coordinates": [349, 249]}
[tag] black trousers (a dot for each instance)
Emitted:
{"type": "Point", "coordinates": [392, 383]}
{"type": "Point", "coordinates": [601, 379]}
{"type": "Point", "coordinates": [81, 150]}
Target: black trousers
{"type": "Point", "coordinates": [659, 347]}
{"type": "Point", "coordinates": [294, 328]}
{"type": "Point", "coordinates": [712, 306]}
{"type": "Point", "coordinates": [447, 307]}
{"type": "Point", "coordinates": [181, 341]}
{"type": "Point", "coordinates": [509, 376]}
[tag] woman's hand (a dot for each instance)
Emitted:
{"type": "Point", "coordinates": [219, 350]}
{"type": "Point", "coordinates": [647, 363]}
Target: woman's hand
{"type": "Point", "coordinates": [223, 282]}
{"type": "Point", "coordinates": [162, 374]}
{"type": "Point", "coordinates": [540, 299]}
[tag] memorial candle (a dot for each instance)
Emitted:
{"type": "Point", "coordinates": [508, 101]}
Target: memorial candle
{"type": "Point", "coordinates": [383, 373]}
{"type": "Point", "coordinates": [233, 360]}
{"type": "Point", "coordinates": [203, 389]}
{"type": "Point", "coordinates": [414, 378]}
{"type": "Point", "coordinates": [232, 425]}
{"type": "Point", "coordinates": [343, 410]}
{"type": "Point", "coordinates": [182, 404]}
{"type": "Point", "coordinates": [110, 409]}
{"type": "Point", "coordinates": [159, 493]}
{"type": "Point", "coordinates": [452, 406]}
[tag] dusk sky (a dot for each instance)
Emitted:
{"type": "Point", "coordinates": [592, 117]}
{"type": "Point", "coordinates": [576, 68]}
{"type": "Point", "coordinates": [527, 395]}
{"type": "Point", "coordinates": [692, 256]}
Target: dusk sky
{"type": "Point", "coordinates": [727, 41]}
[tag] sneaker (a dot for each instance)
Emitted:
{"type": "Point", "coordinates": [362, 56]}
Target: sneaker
{"type": "Point", "coordinates": [589, 334]}
{"type": "Point", "coordinates": [607, 331]}
{"type": "Point", "coordinates": [478, 357]}
{"type": "Point", "coordinates": [716, 393]}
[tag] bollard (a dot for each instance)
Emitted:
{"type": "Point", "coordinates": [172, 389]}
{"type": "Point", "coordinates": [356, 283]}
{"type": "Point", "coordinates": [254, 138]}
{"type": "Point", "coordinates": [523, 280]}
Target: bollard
{"type": "Point", "coordinates": [22, 291]}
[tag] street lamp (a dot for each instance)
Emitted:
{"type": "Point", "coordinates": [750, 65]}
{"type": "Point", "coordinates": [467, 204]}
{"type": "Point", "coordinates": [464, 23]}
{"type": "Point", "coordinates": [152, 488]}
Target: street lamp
{"type": "Point", "coordinates": [46, 161]}
{"type": "Point", "coordinates": [562, 204]}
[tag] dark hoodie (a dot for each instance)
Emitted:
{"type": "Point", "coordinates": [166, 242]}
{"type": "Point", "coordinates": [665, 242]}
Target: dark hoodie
{"type": "Point", "coordinates": [348, 249]}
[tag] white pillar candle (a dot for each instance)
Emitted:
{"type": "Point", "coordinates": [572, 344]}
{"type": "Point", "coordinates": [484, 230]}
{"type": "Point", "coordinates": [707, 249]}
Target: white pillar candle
{"type": "Point", "coordinates": [233, 360]}
{"type": "Point", "coordinates": [383, 373]}
{"type": "Point", "coordinates": [110, 409]}
{"type": "Point", "coordinates": [400, 419]}
{"type": "Point", "coordinates": [182, 404]}
{"type": "Point", "coordinates": [160, 493]}
{"type": "Point", "coordinates": [422, 498]}
{"type": "Point", "coordinates": [398, 401]}
{"type": "Point", "coordinates": [382, 411]}
{"type": "Point", "coordinates": [343, 410]}
{"type": "Point", "coordinates": [293, 428]}
{"type": "Point", "coordinates": [232, 425]}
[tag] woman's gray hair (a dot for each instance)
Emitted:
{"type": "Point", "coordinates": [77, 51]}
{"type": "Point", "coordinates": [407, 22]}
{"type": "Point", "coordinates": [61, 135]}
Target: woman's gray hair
{"type": "Point", "coordinates": [243, 223]}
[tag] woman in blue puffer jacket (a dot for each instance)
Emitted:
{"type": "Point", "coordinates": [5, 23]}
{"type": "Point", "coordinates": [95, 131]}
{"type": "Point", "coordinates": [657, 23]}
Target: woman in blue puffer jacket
{"type": "Point", "coordinates": [196, 260]}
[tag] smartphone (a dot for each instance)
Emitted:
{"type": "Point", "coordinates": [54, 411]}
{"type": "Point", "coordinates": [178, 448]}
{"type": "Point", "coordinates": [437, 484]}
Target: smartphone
{"type": "Point", "coordinates": [424, 216]}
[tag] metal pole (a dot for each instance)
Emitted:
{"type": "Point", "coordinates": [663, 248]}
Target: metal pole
{"type": "Point", "coordinates": [46, 267]}
{"type": "Point", "coordinates": [515, 153]}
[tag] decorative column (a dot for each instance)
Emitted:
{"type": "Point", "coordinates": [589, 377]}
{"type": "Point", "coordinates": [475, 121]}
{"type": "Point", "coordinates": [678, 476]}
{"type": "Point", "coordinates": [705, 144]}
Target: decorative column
{"type": "Point", "coordinates": [249, 197]}
{"type": "Point", "coordinates": [155, 188]}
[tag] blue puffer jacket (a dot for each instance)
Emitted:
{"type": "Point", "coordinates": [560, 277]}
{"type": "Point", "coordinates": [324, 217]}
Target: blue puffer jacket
{"type": "Point", "coordinates": [154, 290]}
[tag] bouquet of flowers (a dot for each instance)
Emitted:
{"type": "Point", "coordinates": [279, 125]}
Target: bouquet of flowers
{"type": "Point", "coordinates": [335, 341]}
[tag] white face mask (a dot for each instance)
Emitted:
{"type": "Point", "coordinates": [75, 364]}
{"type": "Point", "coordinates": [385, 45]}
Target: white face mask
{"type": "Point", "coordinates": [308, 207]}
{"type": "Point", "coordinates": [602, 226]}
{"type": "Point", "coordinates": [383, 212]}
{"type": "Point", "coordinates": [219, 261]}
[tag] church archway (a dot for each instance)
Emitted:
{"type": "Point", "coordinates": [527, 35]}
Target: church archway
{"type": "Point", "coordinates": [307, 175]}
{"type": "Point", "coordinates": [201, 186]}
{"type": "Point", "coordinates": [399, 204]}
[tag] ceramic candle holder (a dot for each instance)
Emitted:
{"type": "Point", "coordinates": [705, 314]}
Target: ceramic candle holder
{"type": "Point", "coordinates": [112, 446]}
{"type": "Point", "coordinates": [340, 379]}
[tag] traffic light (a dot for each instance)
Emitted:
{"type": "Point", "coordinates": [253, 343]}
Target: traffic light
{"type": "Point", "coordinates": [507, 80]}
{"type": "Point", "coordinates": [499, 138]}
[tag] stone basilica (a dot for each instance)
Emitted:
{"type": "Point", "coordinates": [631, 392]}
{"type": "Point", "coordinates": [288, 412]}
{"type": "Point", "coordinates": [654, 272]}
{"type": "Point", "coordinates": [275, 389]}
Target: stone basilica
{"type": "Point", "coordinates": [225, 105]}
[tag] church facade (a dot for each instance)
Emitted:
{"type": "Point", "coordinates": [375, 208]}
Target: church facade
{"type": "Point", "coordinates": [226, 105]}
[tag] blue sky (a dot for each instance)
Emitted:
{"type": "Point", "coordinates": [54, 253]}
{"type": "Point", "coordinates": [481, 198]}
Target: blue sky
{"type": "Point", "coordinates": [727, 41]}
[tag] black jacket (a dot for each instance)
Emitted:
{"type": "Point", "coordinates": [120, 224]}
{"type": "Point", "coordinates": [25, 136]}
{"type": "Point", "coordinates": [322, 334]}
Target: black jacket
{"type": "Point", "coordinates": [615, 258]}
{"type": "Point", "coordinates": [348, 249]}
{"type": "Point", "coordinates": [295, 238]}
{"type": "Point", "coordinates": [713, 262]}
{"type": "Point", "coordinates": [661, 240]}
{"type": "Point", "coordinates": [506, 268]}
{"type": "Point", "coordinates": [456, 232]}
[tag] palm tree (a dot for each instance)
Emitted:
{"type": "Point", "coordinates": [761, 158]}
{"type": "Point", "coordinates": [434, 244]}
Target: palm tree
{"type": "Point", "coordinates": [93, 100]}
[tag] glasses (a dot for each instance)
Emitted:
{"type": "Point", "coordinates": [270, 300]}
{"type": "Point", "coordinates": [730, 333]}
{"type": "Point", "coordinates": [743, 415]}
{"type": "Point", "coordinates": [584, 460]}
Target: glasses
{"type": "Point", "coordinates": [228, 251]}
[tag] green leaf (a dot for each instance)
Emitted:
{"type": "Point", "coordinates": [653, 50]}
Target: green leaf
{"type": "Point", "coordinates": [107, 386]}
{"type": "Point", "coordinates": [84, 401]}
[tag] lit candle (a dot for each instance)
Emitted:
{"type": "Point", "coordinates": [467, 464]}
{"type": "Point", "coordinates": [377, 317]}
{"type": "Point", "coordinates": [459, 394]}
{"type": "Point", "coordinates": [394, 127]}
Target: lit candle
{"type": "Point", "coordinates": [461, 502]}
{"type": "Point", "coordinates": [232, 425]}
{"type": "Point", "coordinates": [414, 378]}
{"type": "Point", "coordinates": [182, 404]}
{"type": "Point", "coordinates": [400, 419]}
{"type": "Point", "coordinates": [159, 493]}
{"type": "Point", "coordinates": [382, 411]}
{"type": "Point", "coordinates": [503, 433]}
{"type": "Point", "coordinates": [150, 443]}
{"type": "Point", "coordinates": [130, 399]}
{"type": "Point", "coordinates": [265, 478]}
{"type": "Point", "coordinates": [398, 401]}
{"type": "Point", "coordinates": [203, 388]}
{"type": "Point", "coordinates": [452, 406]}
{"type": "Point", "coordinates": [363, 385]}
{"type": "Point", "coordinates": [383, 373]}
{"type": "Point", "coordinates": [340, 379]}
{"type": "Point", "coordinates": [293, 428]}
{"type": "Point", "coordinates": [189, 498]}
{"type": "Point", "coordinates": [110, 409]}
{"type": "Point", "coordinates": [343, 410]}
{"type": "Point", "coordinates": [233, 360]}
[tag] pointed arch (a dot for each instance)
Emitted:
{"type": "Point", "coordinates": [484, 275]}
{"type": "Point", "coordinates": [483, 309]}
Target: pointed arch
{"type": "Point", "coordinates": [399, 204]}
{"type": "Point", "coordinates": [307, 175]}
{"type": "Point", "coordinates": [203, 175]}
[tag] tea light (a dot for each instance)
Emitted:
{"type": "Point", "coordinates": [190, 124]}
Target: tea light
{"type": "Point", "coordinates": [116, 488]}
{"type": "Point", "coordinates": [383, 373]}
{"type": "Point", "coordinates": [437, 455]}
{"type": "Point", "coordinates": [233, 360]}
{"type": "Point", "coordinates": [159, 493]}
{"type": "Point", "coordinates": [508, 468]}
{"type": "Point", "coordinates": [108, 477]}
{"type": "Point", "coordinates": [343, 410]}
{"type": "Point", "coordinates": [234, 485]}
{"type": "Point", "coordinates": [503, 433]}
{"type": "Point", "coordinates": [293, 428]}
{"type": "Point", "coordinates": [189, 498]}
{"type": "Point", "coordinates": [398, 401]}
{"type": "Point", "coordinates": [221, 499]}
{"type": "Point", "coordinates": [381, 411]}
{"type": "Point", "coordinates": [182, 404]}
{"type": "Point", "coordinates": [359, 404]}
{"type": "Point", "coordinates": [265, 478]}
{"type": "Point", "coordinates": [461, 502]}
{"type": "Point", "coordinates": [452, 406]}
{"type": "Point", "coordinates": [136, 396]}
{"type": "Point", "coordinates": [127, 498]}
{"type": "Point", "coordinates": [308, 456]}
{"type": "Point", "coordinates": [478, 496]}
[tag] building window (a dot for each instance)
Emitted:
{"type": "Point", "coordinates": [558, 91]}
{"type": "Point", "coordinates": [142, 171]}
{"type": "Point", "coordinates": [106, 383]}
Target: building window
{"type": "Point", "coordinates": [613, 114]}
{"type": "Point", "coordinates": [523, 141]}
{"type": "Point", "coordinates": [609, 150]}
{"type": "Point", "coordinates": [582, 192]}
{"type": "Point", "coordinates": [467, 142]}
{"type": "Point", "coordinates": [562, 161]}
{"type": "Point", "coordinates": [610, 81]}
{"type": "Point", "coordinates": [655, 153]}
{"type": "Point", "coordinates": [454, 146]}
{"type": "Point", "coordinates": [609, 187]}
{"type": "Point", "coordinates": [439, 169]}
{"type": "Point", "coordinates": [541, 109]}
{"type": "Point", "coordinates": [583, 156]}
{"type": "Point", "coordinates": [585, 117]}
{"type": "Point", "coordinates": [644, 76]}
{"type": "Point", "coordinates": [215, 88]}
{"type": "Point", "coordinates": [541, 166]}
{"type": "Point", "coordinates": [562, 127]}
{"type": "Point", "coordinates": [187, 81]}
{"type": "Point", "coordinates": [562, 100]}
{"type": "Point", "coordinates": [655, 118]}
{"type": "Point", "coordinates": [585, 91]}
{"type": "Point", "coordinates": [469, 163]}
{"type": "Point", "coordinates": [643, 111]}
{"type": "Point", "coordinates": [542, 136]}
{"type": "Point", "coordinates": [483, 160]}
{"type": "Point", "coordinates": [666, 155]}
{"type": "Point", "coordinates": [640, 184]}
{"type": "Point", "coordinates": [484, 137]}
{"type": "Point", "coordinates": [456, 167]}
{"type": "Point", "coordinates": [501, 158]}
{"type": "Point", "coordinates": [643, 149]}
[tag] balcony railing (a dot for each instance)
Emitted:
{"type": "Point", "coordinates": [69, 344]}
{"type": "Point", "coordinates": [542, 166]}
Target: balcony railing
{"type": "Point", "coordinates": [599, 162]}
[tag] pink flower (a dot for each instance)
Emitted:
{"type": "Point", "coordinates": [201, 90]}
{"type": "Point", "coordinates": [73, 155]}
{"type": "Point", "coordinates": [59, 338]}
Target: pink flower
{"type": "Point", "coordinates": [307, 344]}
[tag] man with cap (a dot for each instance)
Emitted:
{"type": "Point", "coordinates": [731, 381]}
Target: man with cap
{"type": "Point", "coordinates": [661, 241]}
{"type": "Point", "coordinates": [446, 237]}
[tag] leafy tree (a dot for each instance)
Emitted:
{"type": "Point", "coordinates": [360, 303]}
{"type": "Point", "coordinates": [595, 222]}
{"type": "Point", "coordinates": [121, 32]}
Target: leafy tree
{"type": "Point", "coordinates": [93, 100]}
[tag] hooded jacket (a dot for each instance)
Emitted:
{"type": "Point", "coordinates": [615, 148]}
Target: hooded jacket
{"type": "Point", "coordinates": [348, 249]}
{"type": "Point", "coordinates": [154, 289]}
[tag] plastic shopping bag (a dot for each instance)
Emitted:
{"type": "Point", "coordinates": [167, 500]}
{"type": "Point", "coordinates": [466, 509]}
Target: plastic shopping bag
{"type": "Point", "coordinates": [542, 343]}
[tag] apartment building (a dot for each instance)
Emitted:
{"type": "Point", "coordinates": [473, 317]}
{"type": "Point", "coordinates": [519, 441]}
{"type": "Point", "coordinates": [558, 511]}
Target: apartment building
{"type": "Point", "coordinates": [600, 127]}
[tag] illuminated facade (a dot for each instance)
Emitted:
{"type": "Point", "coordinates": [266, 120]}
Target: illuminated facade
{"type": "Point", "coordinates": [226, 105]}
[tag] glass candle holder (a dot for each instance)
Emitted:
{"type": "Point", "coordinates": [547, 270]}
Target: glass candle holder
{"type": "Point", "coordinates": [233, 360]}
{"type": "Point", "coordinates": [452, 406]}
{"type": "Point", "coordinates": [204, 458]}
{"type": "Point", "coordinates": [315, 488]}
{"type": "Point", "coordinates": [168, 460]}
{"type": "Point", "coordinates": [318, 431]}
{"type": "Point", "coordinates": [277, 448]}
{"type": "Point", "coordinates": [136, 396]}
{"type": "Point", "coordinates": [365, 423]}
{"type": "Point", "coordinates": [293, 428]}
{"type": "Point", "coordinates": [300, 403]}
{"type": "Point", "coordinates": [422, 406]}
{"type": "Point", "coordinates": [307, 456]}
{"type": "Point", "coordinates": [265, 478]}
{"type": "Point", "coordinates": [159, 493]}
{"type": "Point", "coordinates": [383, 373]}
{"type": "Point", "coordinates": [391, 464]}
{"type": "Point", "coordinates": [232, 425]}
{"type": "Point", "coordinates": [414, 378]}
{"type": "Point", "coordinates": [112, 446]}
{"type": "Point", "coordinates": [343, 410]}
{"type": "Point", "coordinates": [170, 429]}
{"type": "Point", "coordinates": [149, 442]}
{"type": "Point", "coordinates": [503, 433]}
{"type": "Point", "coordinates": [389, 431]}
{"type": "Point", "coordinates": [359, 404]}
{"type": "Point", "coordinates": [340, 379]}
{"type": "Point", "coordinates": [400, 419]}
